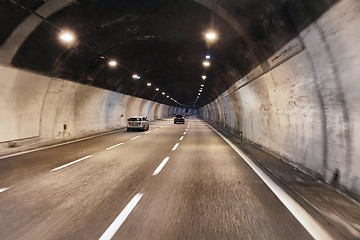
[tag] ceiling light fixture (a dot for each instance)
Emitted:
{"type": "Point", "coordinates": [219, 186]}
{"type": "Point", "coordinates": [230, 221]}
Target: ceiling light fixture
{"type": "Point", "coordinates": [112, 63]}
{"type": "Point", "coordinates": [67, 37]}
{"type": "Point", "coordinates": [207, 56]}
{"type": "Point", "coordinates": [135, 76]}
{"type": "Point", "coordinates": [206, 63]}
{"type": "Point", "coordinates": [163, 93]}
{"type": "Point", "coordinates": [203, 77]}
{"type": "Point", "coordinates": [148, 84]}
{"type": "Point", "coordinates": [211, 36]}
{"type": "Point", "coordinates": [157, 89]}
{"type": "Point", "coordinates": [202, 85]}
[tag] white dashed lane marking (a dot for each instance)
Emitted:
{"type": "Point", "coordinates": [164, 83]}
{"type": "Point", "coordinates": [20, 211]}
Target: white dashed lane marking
{"type": "Point", "coordinates": [134, 138]}
{"type": "Point", "coordinates": [175, 147]}
{"type": "Point", "coordinates": [4, 189]}
{"type": "Point", "coordinates": [160, 167]}
{"type": "Point", "coordinates": [116, 145]}
{"type": "Point", "coordinates": [182, 137]}
{"type": "Point", "coordinates": [120, 219]}
{"type": "Point", "coordinates": [71, 163]}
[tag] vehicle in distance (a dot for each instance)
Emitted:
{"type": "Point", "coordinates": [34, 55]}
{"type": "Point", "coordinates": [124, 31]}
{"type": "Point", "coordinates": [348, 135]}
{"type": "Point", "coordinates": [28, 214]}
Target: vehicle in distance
{"type": "Point", "coordinates": [179, 118]}
{"type": "Point", "coordinates": [138, 123]}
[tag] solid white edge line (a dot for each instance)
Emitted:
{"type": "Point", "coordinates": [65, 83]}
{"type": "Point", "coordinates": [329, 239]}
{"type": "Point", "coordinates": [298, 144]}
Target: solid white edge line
{"type": "Point", "coordinates": [4, 189]}
{"type": "Point", "coordinates": [182, 137]}
{"type": "Point", "coordinates": [116, 145]}
{"type": "Point", "coordinates": [58, 145]}
{"type": "Point", "coordinates": [120, 219]}
{"type": "Point", "coordinates": [161, 166]}
{"type": "Point", "coordinates": [175, 147]}
{"type": "Point", "coordinates": [305, 219]}
{"type": "Point", "coordinates": [71, 163]}
{"type": "Point", "coordinates": [134, 138]}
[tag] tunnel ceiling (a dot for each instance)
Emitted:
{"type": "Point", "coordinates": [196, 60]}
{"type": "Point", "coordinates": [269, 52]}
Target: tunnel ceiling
{"type": "Point", "coordinates": [160, 40]}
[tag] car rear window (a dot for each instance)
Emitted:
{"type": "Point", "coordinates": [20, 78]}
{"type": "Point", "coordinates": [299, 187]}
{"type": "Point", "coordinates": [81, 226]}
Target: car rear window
{"type": "Point", "coordinates": [179, 116]}
{"type": "Point", "coordinates": [134, 119]}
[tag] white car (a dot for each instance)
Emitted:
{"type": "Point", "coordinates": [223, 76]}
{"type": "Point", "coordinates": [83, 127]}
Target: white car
{"type": "Point", "coordinates": [138, 123]}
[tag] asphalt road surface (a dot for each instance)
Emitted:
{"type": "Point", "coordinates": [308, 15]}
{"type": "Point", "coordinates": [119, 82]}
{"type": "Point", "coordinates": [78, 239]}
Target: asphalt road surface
{"type": "Point", "coordinates": [173, 182]}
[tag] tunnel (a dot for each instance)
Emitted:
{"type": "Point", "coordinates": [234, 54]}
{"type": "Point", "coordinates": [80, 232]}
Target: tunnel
{"type": "Point", "coordinates": [270, 89]}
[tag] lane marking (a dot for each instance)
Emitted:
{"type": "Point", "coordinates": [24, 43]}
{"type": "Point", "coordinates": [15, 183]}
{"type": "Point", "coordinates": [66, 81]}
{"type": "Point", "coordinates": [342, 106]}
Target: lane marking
{"type": "Point", "coordinates": [71, 163]}
{"type": "Point", "coordinates": [4, 189]}
{"type": "Point", "coordinates": [120, 219]}
{"type": "Point", "coordinates": [148, 132]}
{"type": "Point", "coordinates": [116, 145]}
{"type": "Point", "coordinates": [175, 147]}
{"type": "Point", "coordinates": [156, 129]}
{"type": "Point", "coordinates": [160, 167]}
{"type": "Point", "coordinates": [59, 144]}
{"type": "Point", "coordinates": [184, 133]}
{"type": "Point", "coordinates": [182, 137]}
{"type": "Point", "coordinates": [134, 138]}
{"type": "Point", "coordinates": [305, 219]}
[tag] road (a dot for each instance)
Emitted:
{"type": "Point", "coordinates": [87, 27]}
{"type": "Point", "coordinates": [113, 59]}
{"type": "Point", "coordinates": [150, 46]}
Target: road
{"type": "Point", "coordinates": [173, 182]}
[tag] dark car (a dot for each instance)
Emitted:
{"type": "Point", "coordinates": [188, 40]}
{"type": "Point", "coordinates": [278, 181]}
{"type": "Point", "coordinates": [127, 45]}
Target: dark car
{"type": "Point", "coordinates": [179, 119]}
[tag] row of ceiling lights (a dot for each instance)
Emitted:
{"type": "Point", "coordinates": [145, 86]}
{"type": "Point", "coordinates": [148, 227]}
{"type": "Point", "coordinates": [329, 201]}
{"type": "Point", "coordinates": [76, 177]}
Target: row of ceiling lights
{"type": "Point", "coordinates": [210, 37]}
{"type": "Point", "coordinates": [69, 38]}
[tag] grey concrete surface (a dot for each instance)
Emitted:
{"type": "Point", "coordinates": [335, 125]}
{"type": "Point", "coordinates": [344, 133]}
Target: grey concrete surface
{"type": "Point", "coordinates": [306, 107]}
{"type": "Point", "coordinates": [49, 109]}
{"type": "Point", "coordinates": [205, 191]}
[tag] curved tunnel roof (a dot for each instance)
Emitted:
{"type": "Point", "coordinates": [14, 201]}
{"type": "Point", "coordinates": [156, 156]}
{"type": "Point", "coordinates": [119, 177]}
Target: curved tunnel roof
{"type": "Point", "coordinates": [160, 40]}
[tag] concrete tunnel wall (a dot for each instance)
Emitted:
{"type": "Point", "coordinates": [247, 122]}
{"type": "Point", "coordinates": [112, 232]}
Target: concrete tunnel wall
{"type": "Point", "coordinates": [306, 107]}
{"type": "Point", "coordinates": [38, 109]}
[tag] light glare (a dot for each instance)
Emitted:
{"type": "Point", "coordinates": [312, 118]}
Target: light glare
{"type": "Point", "coordinates": [206, 63]}
{"type": "Point", "coordinates": [67, 37]}
{"type": "Point", "coordinates": [211, 36]}
{"type": "Point", "coordinates": [112, 63]}
{"type": "Point", "coordinates": [135, 76]}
